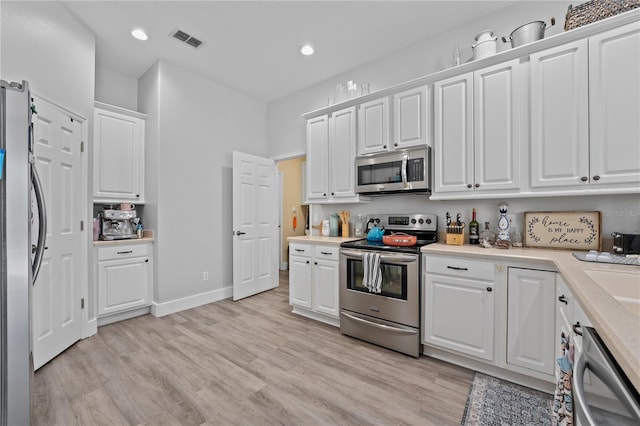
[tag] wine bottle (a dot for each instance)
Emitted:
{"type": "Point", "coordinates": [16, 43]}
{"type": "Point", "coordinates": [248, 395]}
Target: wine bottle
{"type": "Point", "coordinates": [474, 231]}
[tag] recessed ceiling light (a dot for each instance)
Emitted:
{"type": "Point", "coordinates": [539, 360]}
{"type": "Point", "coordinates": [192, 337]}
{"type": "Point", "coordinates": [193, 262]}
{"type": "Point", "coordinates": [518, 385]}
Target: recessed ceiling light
{"type": "Point", "coordinates": [306, 50]}
{"type": "Point", "coordinates": [139, 34]}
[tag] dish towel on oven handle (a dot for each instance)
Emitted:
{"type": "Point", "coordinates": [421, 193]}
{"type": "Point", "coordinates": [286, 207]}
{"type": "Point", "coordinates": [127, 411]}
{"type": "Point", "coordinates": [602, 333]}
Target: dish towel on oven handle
{"type": "Point", "coordinates": [372, 278]}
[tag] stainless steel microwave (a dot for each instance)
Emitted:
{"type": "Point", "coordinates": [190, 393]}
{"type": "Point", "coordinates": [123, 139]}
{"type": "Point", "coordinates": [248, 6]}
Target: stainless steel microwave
{"type": "Point", "coordinates": [394, 172]}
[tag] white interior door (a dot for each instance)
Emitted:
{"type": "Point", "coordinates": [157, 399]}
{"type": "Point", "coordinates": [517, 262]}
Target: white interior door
{"type": "Point", "coordinates": [56, 310]}
{"type": "Point", "coordinates": [255, 225]}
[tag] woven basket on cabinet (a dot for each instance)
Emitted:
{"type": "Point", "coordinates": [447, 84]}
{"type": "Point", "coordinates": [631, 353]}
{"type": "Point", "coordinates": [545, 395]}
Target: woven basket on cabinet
{"type": "Point", "coordinates": [595, 10]}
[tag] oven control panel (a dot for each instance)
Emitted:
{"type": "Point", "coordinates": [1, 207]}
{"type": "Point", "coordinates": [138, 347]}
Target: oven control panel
{"type": "Point", "coordinates": [406, 222]}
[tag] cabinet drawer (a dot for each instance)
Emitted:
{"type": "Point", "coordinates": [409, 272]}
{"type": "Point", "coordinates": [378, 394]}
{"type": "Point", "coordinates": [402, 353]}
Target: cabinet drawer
{"type": "Point", "coordinates": [327, 252]}
{"type": "Point", "coordinates": [296, 249]}
{"type": "Point", "coordinates": [123, 251]}
{"type": "Point", "coordinates": [459, 267]}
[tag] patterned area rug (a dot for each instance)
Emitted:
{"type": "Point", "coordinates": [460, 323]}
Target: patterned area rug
{"type": "Point", "coordinates": [493, 401]}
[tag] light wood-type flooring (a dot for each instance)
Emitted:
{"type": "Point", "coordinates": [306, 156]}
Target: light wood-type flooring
{"type": "Point", "coordinates": [250, 362]}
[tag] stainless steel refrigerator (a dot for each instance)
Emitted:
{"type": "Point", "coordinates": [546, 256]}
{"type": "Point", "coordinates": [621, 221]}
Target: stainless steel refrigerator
{"type": "Point", "coordinates": [21, 252]}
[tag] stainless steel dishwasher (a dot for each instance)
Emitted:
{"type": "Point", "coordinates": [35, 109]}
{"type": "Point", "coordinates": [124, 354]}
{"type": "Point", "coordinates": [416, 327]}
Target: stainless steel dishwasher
{"type": "Point", "coordinates": [617, 402]}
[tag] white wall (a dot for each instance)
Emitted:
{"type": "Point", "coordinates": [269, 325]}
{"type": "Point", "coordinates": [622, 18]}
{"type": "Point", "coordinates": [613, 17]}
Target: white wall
{"type": "Point", "coordinates": [116, 89]}
{"type": "Point", "coordinates": [286, 128]}
{"type": "Point", "coordinates": [198, 124]}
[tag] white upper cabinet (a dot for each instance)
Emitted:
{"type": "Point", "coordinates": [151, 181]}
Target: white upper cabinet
{"type": "Point", "coordinates": [118, 162]}
{"type": "Point", "coordinates": [317, 158]}
{"type": "Point", "coordinates": [559, 116]}
{"type": "Point", "coordinates": [373, 127]}
{"type": "Point", "coordinates": [331, 153]}
{"type": "Point", "coordinates": [410, 118]}
{"type": "Point", "coordinates": [477, 130]}
{"type": "Point", "coordinates": [585, 104]}
{"type": "Point", "coordinates": [614, 106]}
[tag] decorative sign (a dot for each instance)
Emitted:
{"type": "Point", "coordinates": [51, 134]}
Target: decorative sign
{"type": "Point", "coordinates": [563, 230]}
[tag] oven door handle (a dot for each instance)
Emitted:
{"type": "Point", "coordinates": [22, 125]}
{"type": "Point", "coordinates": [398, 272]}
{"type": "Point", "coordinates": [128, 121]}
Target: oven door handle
{"type": "Point", "coordinates": [380, 326]}
{"type": "Point", "coordinates": [387, 258]}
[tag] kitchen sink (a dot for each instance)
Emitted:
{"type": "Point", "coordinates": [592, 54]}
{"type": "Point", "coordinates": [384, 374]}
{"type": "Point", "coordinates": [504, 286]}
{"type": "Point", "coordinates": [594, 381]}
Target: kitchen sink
{"type": "Point", "coordinates": [622, 286]}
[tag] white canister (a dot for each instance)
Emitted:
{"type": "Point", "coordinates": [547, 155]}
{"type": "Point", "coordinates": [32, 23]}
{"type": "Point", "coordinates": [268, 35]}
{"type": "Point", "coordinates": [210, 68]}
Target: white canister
{"type": "Point", "coordinates": [485, 48]}
{"type": "Point", "coordinates": [326, 229]}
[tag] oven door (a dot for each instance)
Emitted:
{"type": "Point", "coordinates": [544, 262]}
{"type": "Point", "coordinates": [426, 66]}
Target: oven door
{"type": "Point", "coordinates": [399, 300]}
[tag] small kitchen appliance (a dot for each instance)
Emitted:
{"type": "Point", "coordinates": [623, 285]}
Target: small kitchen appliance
{"type": "Point", "coordinates": [118, 225]}
{"type": "Point", "coordinates": [626, 243]}
{"type": "Point", "coordinates": [394, 172]}
{"type": "Point", "coordinates": [391, 316]}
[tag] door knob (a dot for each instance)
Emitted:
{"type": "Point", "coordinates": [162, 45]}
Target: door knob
{"type": "Point", "coordinates": [240, 233]}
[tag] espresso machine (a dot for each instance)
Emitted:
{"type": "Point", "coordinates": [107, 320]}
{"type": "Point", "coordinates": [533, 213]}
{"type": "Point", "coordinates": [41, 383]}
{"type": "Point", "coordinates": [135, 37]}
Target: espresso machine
{"type": "Point", "coordinates": [118, 224]}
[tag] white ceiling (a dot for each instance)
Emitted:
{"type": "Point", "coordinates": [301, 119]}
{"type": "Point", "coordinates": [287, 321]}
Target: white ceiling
{"type": "Point", "coordinates": [252, 46]}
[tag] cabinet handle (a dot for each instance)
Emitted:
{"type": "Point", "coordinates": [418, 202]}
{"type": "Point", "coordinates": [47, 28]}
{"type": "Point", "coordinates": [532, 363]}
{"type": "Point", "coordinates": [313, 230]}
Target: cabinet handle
{"type": "Point", "coordinates": [596, 177]}
{"type": "Point", "coordinates": [477, 185]}
{"type": "Point", "coordinates": [395, 144]}
{"type": "Point", "coordinates": [489, 289]}
{"type": "Point", "coordinates": [307, 262]}
{"type": "Point", "coordinates": [324, 194]}
{"type": "Point", "coordinates": [584, 178]}
{"type": "Point", "coordinates": [457, 268]}
{"type": "Point", "coordinates": [577, 328]}
{"type": "Point", "coordinates": [137, 195]}
{"type": "Point", "coordinates": [563, 299]}
{"type": "Point", "coordinates": [300, 250]}
{"type": "Point", "coordinates": [146, 261]}
{"type": "Point", "coordinates": [315, 263]}
{"type": "Point", "coordinates": [469, 185]}
{"type": "Point", "coordinates": [326, 252]}
{"type": "Point", "coordinates": [384, 146]}
{"type": "Point", "coordinates": [125, 252]}
{"type": "Point", "coordinates": [333, 193]}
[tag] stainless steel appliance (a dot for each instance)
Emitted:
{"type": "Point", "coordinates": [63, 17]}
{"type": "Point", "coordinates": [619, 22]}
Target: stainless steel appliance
{"type": "Point", "coordinates": [118, 224]}
{"type": "Point", "coordinates": [602, 394]}
{"type": "Point", "coordinates": [390, 318]}
{"type": "Point", "coordinates": [395, 172]}
{"type": "Point", "coordinates": [626, 243]}
{"type": "Point", "coordinates": [19, 271]}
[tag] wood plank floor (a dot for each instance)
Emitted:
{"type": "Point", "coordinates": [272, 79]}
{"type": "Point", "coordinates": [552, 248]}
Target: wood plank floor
{"type": "Point", "coordinates": [250, 362]}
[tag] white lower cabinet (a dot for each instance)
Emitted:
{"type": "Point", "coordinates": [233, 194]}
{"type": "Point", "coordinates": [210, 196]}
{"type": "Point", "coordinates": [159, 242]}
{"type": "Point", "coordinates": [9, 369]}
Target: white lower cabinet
{"type": "Point", "coordinates": [459, 305]}
{"type": "Point", "coordinates": [313, 281]}
{"type": "Point", "coordinates": [531, 319]}
{"type": "Point", "coordinates": [124, 277]}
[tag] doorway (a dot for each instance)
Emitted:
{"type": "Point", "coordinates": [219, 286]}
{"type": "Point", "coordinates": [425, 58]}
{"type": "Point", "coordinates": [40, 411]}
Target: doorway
{"type": "Point", "coordinates": [294, 211]}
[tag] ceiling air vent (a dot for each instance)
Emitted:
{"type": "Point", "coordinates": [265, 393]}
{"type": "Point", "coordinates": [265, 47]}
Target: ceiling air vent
{"type": "Point", "coordinates": [186, 38]}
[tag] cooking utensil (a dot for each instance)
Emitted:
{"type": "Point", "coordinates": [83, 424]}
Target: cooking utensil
{"type": "Point", "coordinates": [375, 234]}
{"type": "Point", "coordinates": [400, 239]}
{"type": "Point", "coordinates": [528, 33]}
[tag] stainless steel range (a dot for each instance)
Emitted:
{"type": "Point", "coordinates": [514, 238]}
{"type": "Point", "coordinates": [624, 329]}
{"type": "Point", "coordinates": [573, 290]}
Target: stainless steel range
{"type": "Point", "coordinates": [380, 281]}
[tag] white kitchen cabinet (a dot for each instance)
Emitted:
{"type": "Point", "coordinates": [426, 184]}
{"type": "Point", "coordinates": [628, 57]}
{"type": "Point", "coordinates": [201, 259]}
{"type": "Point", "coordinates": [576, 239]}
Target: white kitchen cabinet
{"type": "Point", "coordinates": [118, 154]}
{"type": "Point", "coordinates": [584, 113]}
{"type": "Point", "coordinates": [313, 281]}
{"type": "Point", "coordinates": [531, 319]}
{"type": "Point", "coordinates": [559, 116]}
{"type": "Point", "coordinates": [373, 126]}
{"type": "Point", "coordinates": [477, 131]}
{"type": "Point", "coordinates": [300, 278]}
{"type": "Point", "coordinates": [331, 152]}
{"type": "Point", "coordinates": [410, 118]}
{"type": "Point", "coordinates": [459, 305]}
{"type": "Point", "coordinates": [124, 277]}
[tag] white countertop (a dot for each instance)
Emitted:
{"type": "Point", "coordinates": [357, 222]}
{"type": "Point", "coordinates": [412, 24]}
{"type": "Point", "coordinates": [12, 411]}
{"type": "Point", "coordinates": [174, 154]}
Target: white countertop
{"type": "Point", "coordinates": [319, 239]}
{"type": "Point", "coordinates": [147, 236]}
{"type": "Point", "coordinates": [618, 326]}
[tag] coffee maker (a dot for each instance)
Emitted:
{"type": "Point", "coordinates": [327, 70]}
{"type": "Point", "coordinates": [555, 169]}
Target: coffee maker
{"type": "Point", "coordinates": [117, 224]}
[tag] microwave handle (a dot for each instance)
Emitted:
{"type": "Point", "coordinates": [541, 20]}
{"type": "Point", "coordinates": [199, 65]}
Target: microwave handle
{"type": "Point", "coordinates": [405, 158]}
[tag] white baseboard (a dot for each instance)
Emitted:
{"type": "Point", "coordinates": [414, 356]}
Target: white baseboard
{"type": "Point", "coordinates": [91, 328]}
{"type": "Point", "coordinates": [121, 316]}
{"type": "Point", "coordinates": [173, 306]}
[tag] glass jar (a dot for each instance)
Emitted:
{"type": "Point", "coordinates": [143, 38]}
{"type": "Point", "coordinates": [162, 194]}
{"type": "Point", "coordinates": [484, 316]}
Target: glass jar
{"type": "Point", "coordinates": [487, 236]}
{"type": "Point", "coordinates": [358, 230]}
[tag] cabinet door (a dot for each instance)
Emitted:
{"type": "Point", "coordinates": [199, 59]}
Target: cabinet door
{"type": "Point", "coordinates": [373, 126]}
{"type": "Point", "coordinates": [317, 158]}
{"type": "Point", "coordinates": [459, 315]}
{"type": "Point", "coordinates": [559, 116]}
{"type": "Point", "coordinates": [300, 281]}
{"type": "Point", "coordinates": [118, 161]}
{"type": "Point", "coordinates": [325, 282]}
{"type": "Point", "coordinates": [410, 118]}
{"type": "Point", "coordinates": [614, 106]}
{"type": "Point", "coordinates": [496, 99]}
{"type": "Point", "coordinates": [342, 153]}
{"type": "Point", "coordinates": [123, 284]}
{"type": "Point", "coordinates": [453, 128]}
{"type": "Point", "coordinates": [531, 319]}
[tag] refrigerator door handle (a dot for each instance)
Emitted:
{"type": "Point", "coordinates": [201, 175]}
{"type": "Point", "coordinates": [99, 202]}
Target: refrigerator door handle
{"type": "Point", "coordinates": [42, 222]}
